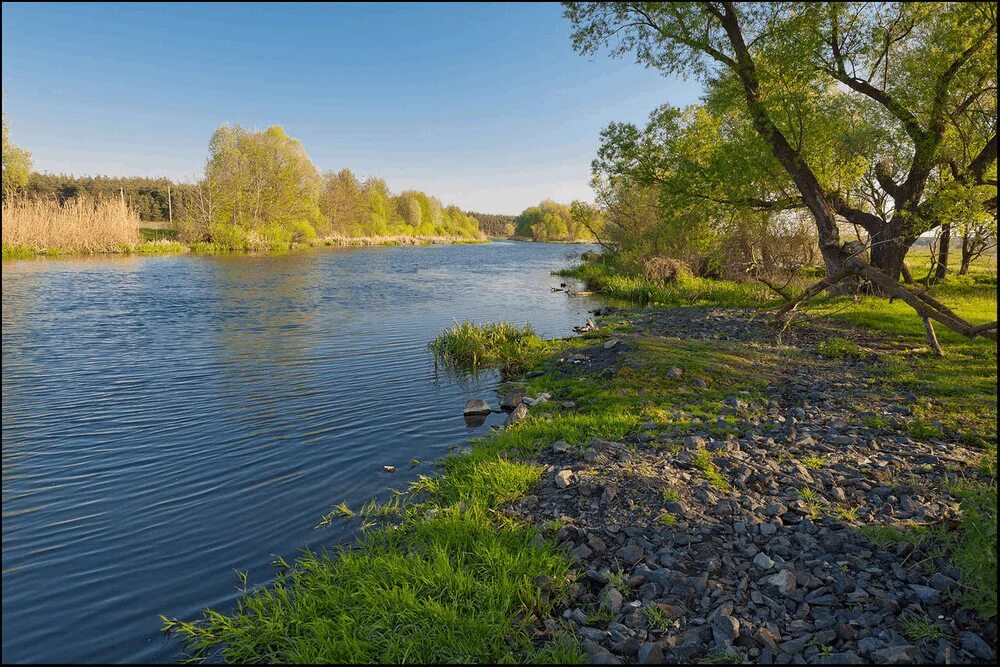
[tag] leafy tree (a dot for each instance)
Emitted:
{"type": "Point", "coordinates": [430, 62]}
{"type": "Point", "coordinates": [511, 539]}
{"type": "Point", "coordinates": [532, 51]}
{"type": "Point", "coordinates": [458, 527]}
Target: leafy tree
{"type": "Point", "coordinates": [16, 164]}
{"type": "Point", "coordinates": [263, 187]}
{"type": "Point", "coordinates": [793, 68]}
{"type": "Point", "coordinates": [845, 96]}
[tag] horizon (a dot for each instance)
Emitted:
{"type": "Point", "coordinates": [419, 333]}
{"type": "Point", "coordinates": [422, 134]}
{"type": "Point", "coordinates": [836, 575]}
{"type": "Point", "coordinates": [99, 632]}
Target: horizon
{"type": "Point", "coordinates": [485, 106]}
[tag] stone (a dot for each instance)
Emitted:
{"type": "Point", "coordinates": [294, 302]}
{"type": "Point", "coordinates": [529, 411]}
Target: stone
{"type": "Point", "coordinates": [977, 646]}
{"type": "Point", "coordinates": [598, 655]}
{"type": "Point", "coordinates": [897, 655]}
{"type": "Point", "coordinates": [650, 653]}
{"type": "Point", "coordinates": [581, 552]}
{"type": "Point", "coordinates": [612, 600]}
{"type": "Point", "coordinates": [512, 399]}
{"type": "Point", "coordinates": [477, 406]}
{"type": "Point", "coordinates": [768, 529]}
{"type": "Point", "coordinates": [675, 372]}
{"type": "Point", "coordinates": [610, 344]}
{"type": "Point", "coordinates": [560, 447]}
{"type": "Point", "coordinates": [517, 414]}
{"type": "Point", "coordinates": [926, 594]}
{"type": "Point", "coordinates": [565, 478]}
{"type": "Point", "coordinates": [762, 561]}
{"type": "Point", "coordinates": [630, 554]}
{"type": "Point", "coordinates": [784, 581]}
{"type": "Point", "coordinates": [725, 629]}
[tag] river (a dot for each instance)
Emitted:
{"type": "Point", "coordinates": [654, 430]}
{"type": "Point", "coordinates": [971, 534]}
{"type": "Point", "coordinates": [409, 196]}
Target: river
{"type": "Point", "coordinates": [169, 420]}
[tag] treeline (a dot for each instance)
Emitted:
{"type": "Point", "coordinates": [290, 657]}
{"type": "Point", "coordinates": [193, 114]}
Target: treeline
{"type": "Point", "coordinates": [260, 190]}
{"type": "Point", "coordinates": [552, 221]}
{"type": "Point", "coordinates": [151, 198]}
{"type": "Point", "coordinates": [495, 224]}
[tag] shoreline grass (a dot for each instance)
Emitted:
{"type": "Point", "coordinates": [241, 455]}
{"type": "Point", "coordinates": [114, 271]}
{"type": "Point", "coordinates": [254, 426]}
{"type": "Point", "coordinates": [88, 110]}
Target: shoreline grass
{"type": "Point", "coordinates": [167, 244]}
{"type": "Point", "coordinates": [505, 345]}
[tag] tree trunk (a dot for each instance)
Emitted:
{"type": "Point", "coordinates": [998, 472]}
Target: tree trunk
{"type": "Point", "coordinates": [944, 245]}
{"type": "Point", "coordinates": [889, 247]}
{"type": "Point", "coordinates": [966, 255]}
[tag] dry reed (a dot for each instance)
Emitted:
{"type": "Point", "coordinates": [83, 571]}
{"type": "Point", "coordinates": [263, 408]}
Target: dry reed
{"type": "Point", "coordinates": [80, 225]}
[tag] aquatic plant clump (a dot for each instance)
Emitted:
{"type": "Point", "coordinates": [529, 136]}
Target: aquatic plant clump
{"type": "Point", "coordinates": [503, 345]}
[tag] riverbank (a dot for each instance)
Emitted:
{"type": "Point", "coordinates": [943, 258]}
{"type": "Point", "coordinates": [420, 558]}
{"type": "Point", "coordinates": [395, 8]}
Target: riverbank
{"type": "Point", "coordinates": [695, 488]}
{"type": "Point", "coordinates": [156, 243]}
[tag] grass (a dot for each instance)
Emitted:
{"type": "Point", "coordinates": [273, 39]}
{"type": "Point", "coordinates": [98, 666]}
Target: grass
{"type": "Point", "coordinates": [689, 291]}
{"type": "Point", "coordinates": [702, 460]}
{"type": "Point", "coordinates": [468, 346]}
{"type": "Point", "coordinates": [918, 628]}
{"type": "Point", "coordinates": [838, 348]}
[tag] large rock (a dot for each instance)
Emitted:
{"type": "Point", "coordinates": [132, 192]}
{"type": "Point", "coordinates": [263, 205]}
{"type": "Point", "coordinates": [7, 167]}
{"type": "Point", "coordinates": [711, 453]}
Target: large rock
{"type": "Point", "coordinates": [512, 399]}
{"type": "Point", "coordinates": [477, 406]}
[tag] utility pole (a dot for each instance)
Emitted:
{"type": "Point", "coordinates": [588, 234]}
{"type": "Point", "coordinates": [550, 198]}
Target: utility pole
{"type": "Point", "coordinates": [170, 207]}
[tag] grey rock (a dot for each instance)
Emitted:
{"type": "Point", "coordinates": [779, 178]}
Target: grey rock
{"type": "Point", "coordinates": [564, 478]}
{"type": "Point", "coordinates": [512, 399]}
{"type": "Point", "coordinates": [896, 655]}
{"type": "Point", "coordinates": [597, 654]}
{"type": "Point", "coordinates": [631, 554]}
{"type": "Point", "coordinates": [977, 646]}
{"type": "Point", "coordinates": [477, 406]}
{"type": "Point", "coordinates": [517, 414]}
{"type": "Point", "coordinates": [762, 561]}
{"type": "Point", "coordinates": [784, 580]}
{"type": "Point", "coordinates": [725, 629]}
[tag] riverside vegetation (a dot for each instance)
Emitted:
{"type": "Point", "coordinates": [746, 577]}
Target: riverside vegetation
{"type": "Point", "coordinates": [260, 192]}
{"type": "Point", "coordinates": [701, 485]}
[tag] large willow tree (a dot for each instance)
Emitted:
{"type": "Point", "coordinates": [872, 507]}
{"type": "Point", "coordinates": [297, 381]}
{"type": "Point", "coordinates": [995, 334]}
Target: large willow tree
{"type": "Point", "coordinates": [881, 114]}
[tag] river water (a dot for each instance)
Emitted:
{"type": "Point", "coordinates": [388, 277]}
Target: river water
{"type": "Point", "coordinates": [168, 420]}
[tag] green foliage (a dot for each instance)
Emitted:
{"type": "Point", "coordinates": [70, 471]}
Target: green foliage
{"type": "Point", "coordinates": [494, 224]}
{"type": "Point", "coordinates": [551, 221]}
{"type": "Point", "coordinates": [616, 283]}
{"type": "Point", "coordinates": [16, 164]}
{"type": "Point", "coordinates": [443, 589]}
{"type": "Point", "coordinates": [470, 346]}
{"type": "Point", "coordinates": [838, 347]}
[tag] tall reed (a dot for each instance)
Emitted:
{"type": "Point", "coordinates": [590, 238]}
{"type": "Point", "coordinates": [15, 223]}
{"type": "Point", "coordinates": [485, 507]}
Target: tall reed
{"type": "Point", "coordinates": [80, 225]}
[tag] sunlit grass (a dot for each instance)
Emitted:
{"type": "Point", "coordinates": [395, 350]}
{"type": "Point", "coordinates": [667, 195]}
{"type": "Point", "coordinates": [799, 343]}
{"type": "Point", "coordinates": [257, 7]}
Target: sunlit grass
{"type": "Point", "coordinates": [504, 345]}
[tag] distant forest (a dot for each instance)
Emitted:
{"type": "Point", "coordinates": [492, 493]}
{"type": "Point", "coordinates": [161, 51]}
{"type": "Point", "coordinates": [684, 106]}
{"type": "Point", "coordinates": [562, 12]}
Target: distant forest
{"type": "Point", "coordinates": [148, 196]}
{"type": "Point", "coordinates": [495, 224]}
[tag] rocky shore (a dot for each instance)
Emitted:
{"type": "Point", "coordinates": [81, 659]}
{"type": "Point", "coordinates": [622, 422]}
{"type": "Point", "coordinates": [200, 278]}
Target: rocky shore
{"type": "Point", "coordinates": [770, 536]}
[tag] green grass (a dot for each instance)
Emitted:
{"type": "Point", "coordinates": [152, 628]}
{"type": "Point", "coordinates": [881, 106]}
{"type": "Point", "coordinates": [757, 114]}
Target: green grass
{"type": "Point", "coordinates": [157, 234]}
{"type": "Point", "coordinates": [439, 590]}
{"type": "Point", "coordinates": [702, 460]}
{"type": "Point", "coordinates": [917, 628]}
{"type": "Point", "coordinates": [505, 345]}
{"type": "Point", "coordinates": [838, 348]}
{"type": "Point", "coordinates": [691, 291]}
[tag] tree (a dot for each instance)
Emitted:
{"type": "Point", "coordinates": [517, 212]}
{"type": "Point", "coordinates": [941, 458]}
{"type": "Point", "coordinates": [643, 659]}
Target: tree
{"type": "Point", "coordinates": [792, 69]}
{"type": "Point", "coordinates": [263, 186]}
{"type": "Point", "coordinates": [765, 56]}
{"type": "Point", "coordinates": [16, 164]}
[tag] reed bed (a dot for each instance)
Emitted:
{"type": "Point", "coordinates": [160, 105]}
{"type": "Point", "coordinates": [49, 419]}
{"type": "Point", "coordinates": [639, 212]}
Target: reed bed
{"type": "Point", "coordinates": [80, 225]}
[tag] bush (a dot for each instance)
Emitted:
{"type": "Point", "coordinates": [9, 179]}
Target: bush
{"type": "Point", "coordinates": [665, 270]}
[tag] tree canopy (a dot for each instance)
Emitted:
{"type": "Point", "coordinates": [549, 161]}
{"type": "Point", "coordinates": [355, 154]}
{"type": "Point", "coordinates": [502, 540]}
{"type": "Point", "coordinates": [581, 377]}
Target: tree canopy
{"type": "Point", "coordinates": [16, 164]}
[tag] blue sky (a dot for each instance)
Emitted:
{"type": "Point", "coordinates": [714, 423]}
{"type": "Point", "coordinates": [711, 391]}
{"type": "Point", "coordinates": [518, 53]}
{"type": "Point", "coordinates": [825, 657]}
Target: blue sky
{"type": "Point", "coordinates": [483, 105]}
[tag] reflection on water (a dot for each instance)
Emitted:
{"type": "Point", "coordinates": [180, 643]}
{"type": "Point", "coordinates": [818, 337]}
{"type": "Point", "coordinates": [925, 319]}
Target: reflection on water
{"type": "Point", "coordinates": [169, 420]}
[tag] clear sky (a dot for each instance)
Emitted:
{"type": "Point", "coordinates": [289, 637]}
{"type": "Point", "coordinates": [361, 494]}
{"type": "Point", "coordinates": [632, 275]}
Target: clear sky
{"type": "Point", "coordinates": [483, 105]}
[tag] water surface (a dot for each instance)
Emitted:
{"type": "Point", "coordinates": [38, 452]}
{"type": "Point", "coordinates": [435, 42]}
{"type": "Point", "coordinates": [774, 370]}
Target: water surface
{"type": "Point", "coordinates": [168, 420]}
